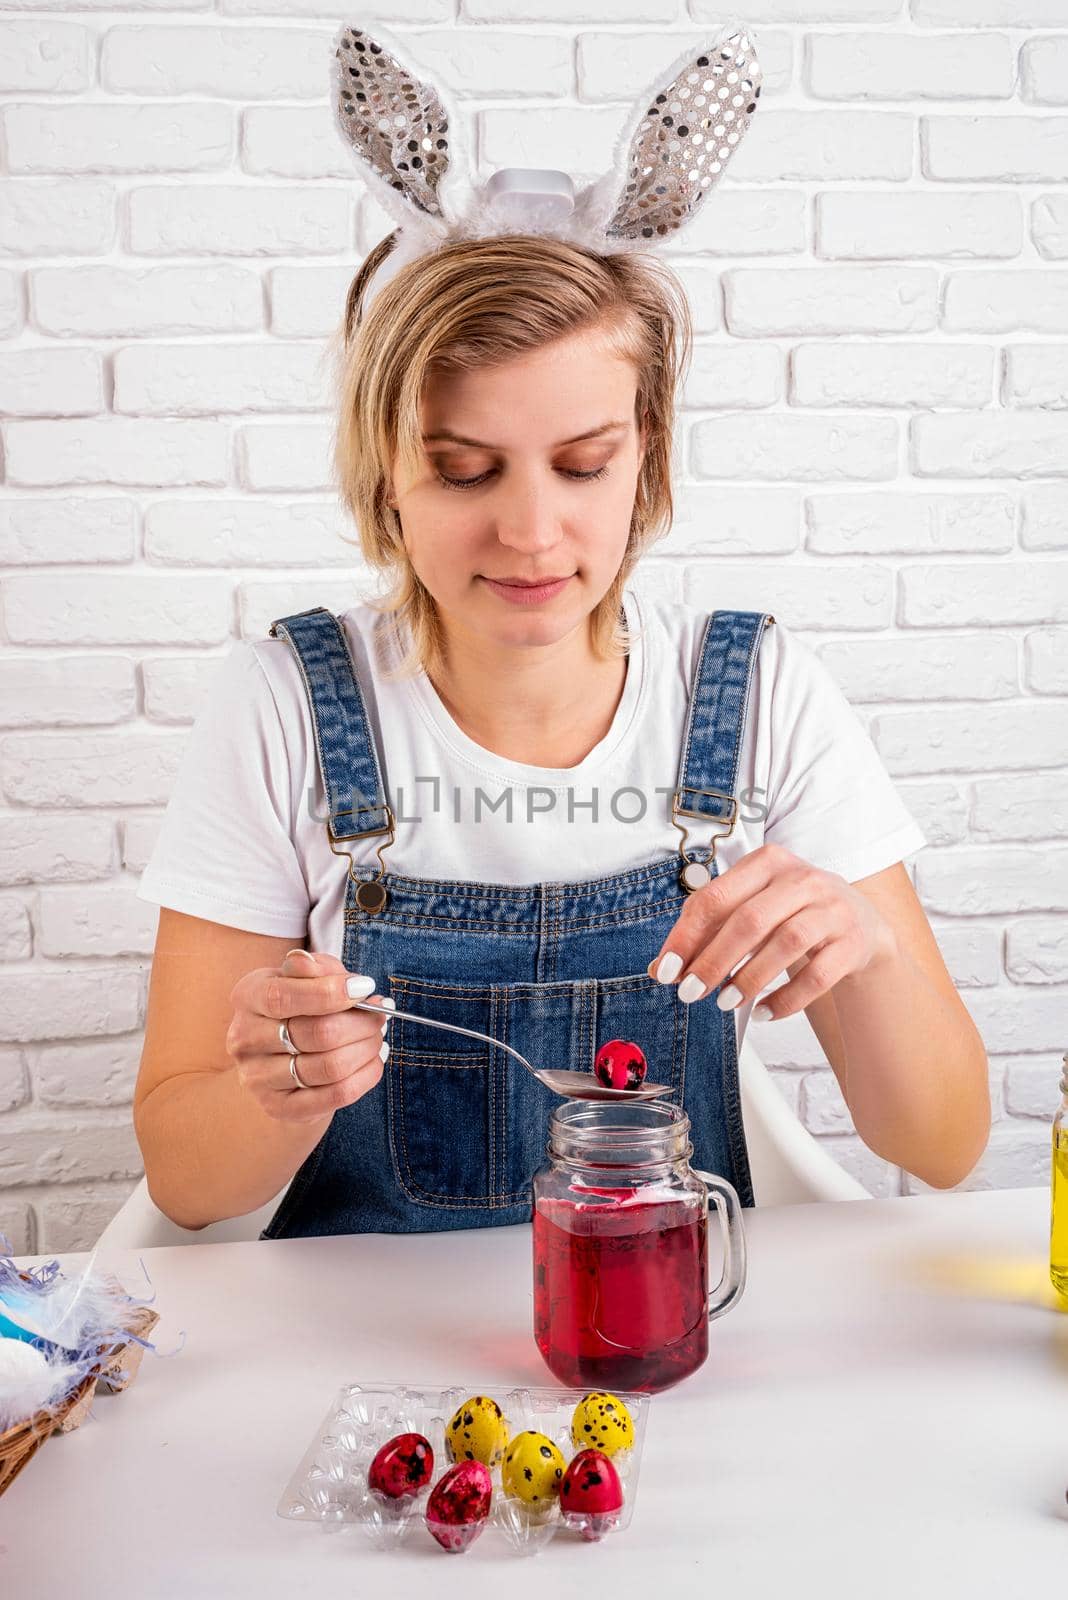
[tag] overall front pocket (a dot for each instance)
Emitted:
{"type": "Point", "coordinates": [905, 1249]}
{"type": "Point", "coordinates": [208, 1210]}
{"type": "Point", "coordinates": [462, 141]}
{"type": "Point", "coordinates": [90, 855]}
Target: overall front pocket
{"type": "Point", "coordinates": [468, 1125]}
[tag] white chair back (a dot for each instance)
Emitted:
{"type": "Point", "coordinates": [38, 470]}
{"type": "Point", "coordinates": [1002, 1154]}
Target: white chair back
{"type": "Point", "coordinates": [787, 1164]}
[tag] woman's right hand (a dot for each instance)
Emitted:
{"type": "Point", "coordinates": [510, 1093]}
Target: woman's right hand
{"type": "Point", "coordinates": [342, 1051]}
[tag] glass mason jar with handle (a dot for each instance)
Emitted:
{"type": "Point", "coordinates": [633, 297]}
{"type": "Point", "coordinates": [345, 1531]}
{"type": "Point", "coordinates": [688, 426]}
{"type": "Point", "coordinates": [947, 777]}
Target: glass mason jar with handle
{"type": "Point", "coordinates": [1058, 1224]}
{"type": "Point", "coordinates": [621, 1295]}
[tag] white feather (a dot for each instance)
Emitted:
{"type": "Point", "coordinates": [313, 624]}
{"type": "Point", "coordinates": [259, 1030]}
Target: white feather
{"type": "Point", "coordinates": [70, 1312]}
{"type": "Point", "coordinates": [30, 1382]}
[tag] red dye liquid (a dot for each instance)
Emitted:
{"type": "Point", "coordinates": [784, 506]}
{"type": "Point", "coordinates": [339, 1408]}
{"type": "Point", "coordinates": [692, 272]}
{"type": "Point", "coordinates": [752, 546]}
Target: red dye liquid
{"type": "Point", "coordinates": [621, 1293]}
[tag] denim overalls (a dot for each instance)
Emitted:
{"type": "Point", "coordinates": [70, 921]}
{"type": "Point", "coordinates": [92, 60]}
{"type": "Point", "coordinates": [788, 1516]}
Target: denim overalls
{"type": "Point", "coordinates": [453, 1133]}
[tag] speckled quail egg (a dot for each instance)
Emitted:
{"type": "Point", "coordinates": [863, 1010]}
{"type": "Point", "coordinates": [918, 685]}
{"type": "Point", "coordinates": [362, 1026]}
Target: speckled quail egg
{"type": "Point", "coordinates": [459, 1505]}
{"type": "Point", "coordinates": [601, 1420]}
{"type": "Point", "coordinates": [403, 1466]}
{"type": "Point", "coordinates": [532, 1469]}
{"type": "Point", "coordinates": [591, 1495]}
{"type": "Point", "coordinates": [477, 1431]}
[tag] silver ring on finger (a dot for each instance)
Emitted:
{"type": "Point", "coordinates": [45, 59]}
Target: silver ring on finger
{"type": "Point", "coordinates": [295, 1075]}
{"type": "Point", "coordinates": [283, 1034]}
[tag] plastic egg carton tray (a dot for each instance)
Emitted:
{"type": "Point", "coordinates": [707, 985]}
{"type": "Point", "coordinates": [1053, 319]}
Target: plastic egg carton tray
{"type": "Point", "coordinates": [329, 1487]}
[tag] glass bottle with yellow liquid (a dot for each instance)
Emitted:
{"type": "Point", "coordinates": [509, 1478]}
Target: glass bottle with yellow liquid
{"type": "Point", "coordinates": [1058, 1231]}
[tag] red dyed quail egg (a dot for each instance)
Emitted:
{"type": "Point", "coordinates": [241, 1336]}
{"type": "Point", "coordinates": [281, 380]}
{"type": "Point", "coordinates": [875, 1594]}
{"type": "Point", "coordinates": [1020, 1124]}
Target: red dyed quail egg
{"type": "Point", "coordinates": [601, 1420]}
{"type": "Point", "coordinates": [620, 1064]}
{"type": "Point", "coordinates": [477, 1431]}
{"type": "Point", "coordinates": [591, 1495]}
{"type": "Point", "coordinates": [459, 1505]}
{"type": "Point", "coordinates": [403, 1466]}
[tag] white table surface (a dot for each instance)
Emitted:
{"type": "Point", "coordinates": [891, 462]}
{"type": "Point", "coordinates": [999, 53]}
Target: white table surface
{"type": "Point", "coordinates": [885, 1413]}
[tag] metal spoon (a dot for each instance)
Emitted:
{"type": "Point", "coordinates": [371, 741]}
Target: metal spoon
{"type": "Point", "coordinates": [572, 1085]}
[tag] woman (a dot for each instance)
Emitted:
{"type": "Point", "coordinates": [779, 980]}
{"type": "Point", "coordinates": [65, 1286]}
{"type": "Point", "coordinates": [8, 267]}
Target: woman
{"type": "Point", "coordinates": [494, 796]}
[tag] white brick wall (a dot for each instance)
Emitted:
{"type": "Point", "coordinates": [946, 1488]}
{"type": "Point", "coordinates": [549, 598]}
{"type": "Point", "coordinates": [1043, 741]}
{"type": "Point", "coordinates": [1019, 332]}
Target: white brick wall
{"type": "Point", "coordinates": [874, 440]}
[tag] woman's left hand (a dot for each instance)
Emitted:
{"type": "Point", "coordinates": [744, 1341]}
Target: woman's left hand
{"type": "Point", "coordinates": [769, 910]}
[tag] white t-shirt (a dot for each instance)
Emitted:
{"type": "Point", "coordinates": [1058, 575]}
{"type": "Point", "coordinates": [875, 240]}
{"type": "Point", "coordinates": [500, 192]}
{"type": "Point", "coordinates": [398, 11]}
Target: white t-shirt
{"type": "Point", "coordinates": [243, 840]}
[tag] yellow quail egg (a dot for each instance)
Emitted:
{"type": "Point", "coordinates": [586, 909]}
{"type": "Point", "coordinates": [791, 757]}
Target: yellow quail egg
{"type": "Point", "coordinates": [477, 1431]}
{"type": "Point", "coordinates": [602, 1422]}
{"type": "Point", "coordinates": [532, 1470]}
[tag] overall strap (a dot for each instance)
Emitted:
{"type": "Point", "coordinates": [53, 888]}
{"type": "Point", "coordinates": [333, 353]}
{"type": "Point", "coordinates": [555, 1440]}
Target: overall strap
{"type": "Point", "coordinates": [708, 766]}
{"type": "Point", "coordinates": [348, 761]}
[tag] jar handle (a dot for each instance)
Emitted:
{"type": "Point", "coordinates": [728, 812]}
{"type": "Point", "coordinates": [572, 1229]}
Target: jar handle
{"type": "Point", "coordinates": [728, 1290]}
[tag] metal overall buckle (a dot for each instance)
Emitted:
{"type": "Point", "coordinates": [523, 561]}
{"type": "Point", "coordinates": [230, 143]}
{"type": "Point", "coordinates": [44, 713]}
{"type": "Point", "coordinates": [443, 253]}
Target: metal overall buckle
{"type": "Point", "coordinates": [371, 895]}
{"type": "Point", "coordinates": [695, 874]}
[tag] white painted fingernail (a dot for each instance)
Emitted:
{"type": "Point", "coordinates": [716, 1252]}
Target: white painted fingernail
{"type": "Point", "coordinates": [388, 1004]}
{"type": "Point", "coordinates": [359, 988]}
{"type": "Point", "coordinates": [691, 988]}
{"type": "Point", "coordinates": [761, 1013]}
{"type": "Point", "coordinates": [669, 968]}
{"type": "Point", "coordinates": [384, 1052]}
{"type": "Point", "coordinates": [728, 998]}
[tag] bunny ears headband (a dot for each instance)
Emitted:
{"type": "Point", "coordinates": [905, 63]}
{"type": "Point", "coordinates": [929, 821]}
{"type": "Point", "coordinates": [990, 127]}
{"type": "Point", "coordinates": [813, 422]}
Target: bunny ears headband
{"type": "Point", "coordinates": [674, 146]}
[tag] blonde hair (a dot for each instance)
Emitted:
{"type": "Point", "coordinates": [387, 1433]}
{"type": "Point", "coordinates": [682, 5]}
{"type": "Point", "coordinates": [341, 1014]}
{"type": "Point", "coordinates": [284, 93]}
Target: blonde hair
{"type": "Point", "coordinates": [474, 304]}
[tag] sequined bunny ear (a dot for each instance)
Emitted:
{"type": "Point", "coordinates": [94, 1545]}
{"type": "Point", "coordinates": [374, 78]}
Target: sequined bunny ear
{"type": "Point", "coordinates": [677, 143]}
{"type": "Point", "coordinates": [398, 127]}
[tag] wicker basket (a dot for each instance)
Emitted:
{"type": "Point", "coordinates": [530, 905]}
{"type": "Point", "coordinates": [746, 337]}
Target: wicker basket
{"type": "Point", "coordinates": [114, 1371]}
